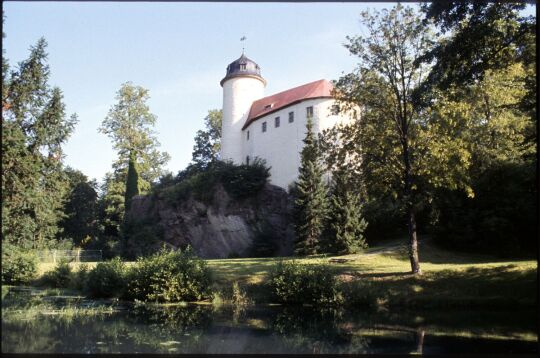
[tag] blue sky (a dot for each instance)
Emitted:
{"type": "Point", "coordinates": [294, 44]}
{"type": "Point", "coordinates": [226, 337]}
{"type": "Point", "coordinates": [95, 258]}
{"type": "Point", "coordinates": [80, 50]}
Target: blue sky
{"type": "Point", "coordinates": [179, 51]}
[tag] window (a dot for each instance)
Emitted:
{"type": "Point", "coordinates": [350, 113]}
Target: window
{"type": "Point", "coordinates": [268, 106]}
{"type": "Point", "coordinates": [247, 135]}
{"type": "Point", "coordinates": [309, 112]}
{"type": "Point", "coordinates": [291, 117]}
{"type": "Point", "coordinates": [247, 160]}
{"type": "Point", "coordinates": [264, 126]}
{"type": "Point", "coordinates": [276, 122]}
{"type": "Point", "coordinates": [243, 66]}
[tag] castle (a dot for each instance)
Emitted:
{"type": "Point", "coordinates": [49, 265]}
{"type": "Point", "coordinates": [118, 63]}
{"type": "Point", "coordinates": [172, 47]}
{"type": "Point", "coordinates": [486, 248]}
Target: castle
{"type": "Point", "coordinates": [273, 127]}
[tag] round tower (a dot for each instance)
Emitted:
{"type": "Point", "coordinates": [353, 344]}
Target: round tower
{"type": "Point", "coordinates": [242, 85]}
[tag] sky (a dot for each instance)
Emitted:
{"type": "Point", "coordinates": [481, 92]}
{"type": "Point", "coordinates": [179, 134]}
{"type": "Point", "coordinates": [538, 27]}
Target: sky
{"type": "Point", "coordinates": [179, 52]}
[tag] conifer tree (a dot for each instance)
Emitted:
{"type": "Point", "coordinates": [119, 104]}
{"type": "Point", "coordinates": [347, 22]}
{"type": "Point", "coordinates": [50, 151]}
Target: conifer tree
{"type": "Point", "coordinates": [132, 182]}
{"type": "Point", "coordinates": [311, 203]}
{"type": "Point", "coordinates": [34, 128]}
{"type": "Point", "coordinates": [346, 224]}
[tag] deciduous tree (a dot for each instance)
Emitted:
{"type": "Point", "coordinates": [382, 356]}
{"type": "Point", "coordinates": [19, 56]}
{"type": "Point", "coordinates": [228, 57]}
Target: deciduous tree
{"type": "Point", "coordinates": [405, 149]}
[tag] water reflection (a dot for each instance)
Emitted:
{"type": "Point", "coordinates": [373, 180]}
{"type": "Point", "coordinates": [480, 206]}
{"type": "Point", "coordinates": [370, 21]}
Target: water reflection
{"type": "Point", "coordinates": [33, 323]}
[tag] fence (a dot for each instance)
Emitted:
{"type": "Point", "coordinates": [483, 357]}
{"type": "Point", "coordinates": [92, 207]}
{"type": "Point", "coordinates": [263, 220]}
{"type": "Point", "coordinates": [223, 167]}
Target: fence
{"type": "Point", "coordinates": [70, 255]}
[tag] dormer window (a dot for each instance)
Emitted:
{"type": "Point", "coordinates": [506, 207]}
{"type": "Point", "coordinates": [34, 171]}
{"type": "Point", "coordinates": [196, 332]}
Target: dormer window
{"type": "Point", "coordinates": [243, 66]}
{"type": "Point", "coordinates": [268, 106]}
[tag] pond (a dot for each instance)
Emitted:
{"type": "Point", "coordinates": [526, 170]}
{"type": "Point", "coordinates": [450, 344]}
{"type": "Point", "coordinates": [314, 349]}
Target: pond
{"type": "Point", "coordinates": [38, 321]}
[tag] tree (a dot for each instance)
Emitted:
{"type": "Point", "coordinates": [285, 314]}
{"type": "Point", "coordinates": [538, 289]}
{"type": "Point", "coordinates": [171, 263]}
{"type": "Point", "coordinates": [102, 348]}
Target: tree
{"type": "Point", "coordinates": [208, 142]}
{"type": "Point", "coordinates": [34, 128]}
{"type": "Point", "coordinates": [406, 150]}
{"type": "Point", "coordinates": [311, 202]}
{"type": "Point", "coordinates": [80, 209]}
{"type": "Point", "coordinates": [483, 36]}
{"type": "Point", "coordinates": [132, 183]}
{"type": "Point", "coordinates": [129, 124]}
{"type": "Point", "coordinates": [346, 224]}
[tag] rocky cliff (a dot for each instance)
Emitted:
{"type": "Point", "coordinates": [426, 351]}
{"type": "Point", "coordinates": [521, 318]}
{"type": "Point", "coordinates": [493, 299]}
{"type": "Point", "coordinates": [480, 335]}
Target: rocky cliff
{"type": "Point", "coordinates": [220, 228]}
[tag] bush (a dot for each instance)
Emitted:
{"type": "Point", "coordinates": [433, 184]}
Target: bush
{"type": "Point", "coordinates": [501, 218]}
{"type": "Point", "coordinates": [170, 276]}
{"type": "Point", "coordinates": [291, 282]}
{"type": "Point", "coordinates": [18, 267]}
{"type": "Point", "coordinates": [239, 181]}
{"type": "Point", "coordinates": [107, 279]}
{"type": "Point", "coordinates": [60, 276]}
{"type": "Point", "coordinates": [80, 277]}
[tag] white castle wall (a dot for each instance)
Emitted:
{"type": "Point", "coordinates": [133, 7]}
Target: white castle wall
{"type": "Point", "coordinates": [238, 95]}
{"type": "Point", "coordinates": [281, 146]}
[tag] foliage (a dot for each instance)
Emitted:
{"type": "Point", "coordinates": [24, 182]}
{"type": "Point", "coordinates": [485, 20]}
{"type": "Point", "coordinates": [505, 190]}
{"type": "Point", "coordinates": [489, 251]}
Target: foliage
{"type": "Point", "coordinates": [129, 124]}
{"type": "Point", "coordinates": [80, 209]}
{"type": "Point", "coordinates": [499, 219]}
{"type": "Point", "coordinates": [60, 276]}
{"type": "Point", "coordinates": [245, 180]}
{"type": "Point", "coordinates": [264, 242]}
{"type": "Point", "coordinates": [483, 36]}
{"type": "Point", "coordinates": [80, 277]}
{"type": "Point", "coordinates": [311, 202]}
{"type": "Point", "coordinates": [141, 237]}
{"type": "Point", "coordinates": [292, 282]}
{"type": "Point", "coordinates": [346, 224]}
{"type": "Point", "coordinates": [170, 276]}
{"type": "Point", "coordinates": [240, 181]}
{"type": "Point", "coordinates": [132, 182]}
{"type": "Point", "coordinates": [208, 142]}
{"type": "Point", "coordinates": [405, 151]}
{"type": "Point", "coordinates": [108, 279]}
{"type": "Point", "coordinates": [19, 266]}
{"type": "Point", "coordinates": [34, 128]}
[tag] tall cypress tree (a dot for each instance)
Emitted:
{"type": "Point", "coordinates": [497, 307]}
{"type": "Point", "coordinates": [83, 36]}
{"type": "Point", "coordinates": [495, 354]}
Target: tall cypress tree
{"type": "Point", "coordinates": [132, 183]}
{"type": "Point", "coordinates": [311, 203]}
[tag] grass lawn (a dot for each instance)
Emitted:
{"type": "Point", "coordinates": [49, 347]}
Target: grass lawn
{"type": "Point", "coordinates": [381, 276]}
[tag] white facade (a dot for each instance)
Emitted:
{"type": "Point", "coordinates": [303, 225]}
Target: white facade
{"type": "Point", "coordinates": [238, 95]}
{"type": "Point", "coordinates": [279, 146]}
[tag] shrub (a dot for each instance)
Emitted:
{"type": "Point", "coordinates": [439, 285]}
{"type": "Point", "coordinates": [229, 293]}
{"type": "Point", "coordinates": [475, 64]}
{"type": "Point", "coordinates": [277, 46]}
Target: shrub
{"type": "Point", "coordinates": [291, 282]}
{"type": "Point", "coordinates": [107, 279]}
{"type": "Point", "coordinates": [60, 276]}
{"type": "Point", "coordinates": [18, 267]}
{"type": "Point", "coordinates": [80, 277]}
{"type": "Point", "coordinates": [239, 181]}
{"type": "Point", "coordinates": [170, 276]}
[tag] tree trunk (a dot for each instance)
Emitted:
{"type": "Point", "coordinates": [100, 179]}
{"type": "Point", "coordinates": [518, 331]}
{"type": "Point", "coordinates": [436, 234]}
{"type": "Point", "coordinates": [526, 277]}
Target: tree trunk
{"type": "Point", "coordinates": [409, 204]}
{"type": "Point", "coordinates": [413, 243]}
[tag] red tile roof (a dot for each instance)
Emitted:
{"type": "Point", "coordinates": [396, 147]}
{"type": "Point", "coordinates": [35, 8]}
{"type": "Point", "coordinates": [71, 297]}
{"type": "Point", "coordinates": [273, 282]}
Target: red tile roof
{"type": "Point", "coordinates": [267, 105]}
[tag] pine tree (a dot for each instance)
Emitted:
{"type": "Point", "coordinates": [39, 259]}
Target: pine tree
{"type": "Point", "coordinates": [347, 225]}
{"type": "Point", "coordinates": [311, 203]}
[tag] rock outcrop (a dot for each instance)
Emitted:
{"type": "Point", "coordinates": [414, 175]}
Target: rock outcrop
{"type": "Point", "coordinates": [224, 227]}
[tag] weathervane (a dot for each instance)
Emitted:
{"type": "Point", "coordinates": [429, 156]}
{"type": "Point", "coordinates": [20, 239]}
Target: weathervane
{"type": "Point", "coordinates": [242, 39]}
